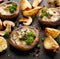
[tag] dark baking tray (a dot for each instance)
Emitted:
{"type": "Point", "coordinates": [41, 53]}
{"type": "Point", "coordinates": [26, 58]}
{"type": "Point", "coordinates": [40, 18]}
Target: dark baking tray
{"type": "Point", "coordinates": [12, 53]}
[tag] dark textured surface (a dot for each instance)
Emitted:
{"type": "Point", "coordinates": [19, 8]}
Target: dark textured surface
{"type": "Point", "coordinates": [12, 53]}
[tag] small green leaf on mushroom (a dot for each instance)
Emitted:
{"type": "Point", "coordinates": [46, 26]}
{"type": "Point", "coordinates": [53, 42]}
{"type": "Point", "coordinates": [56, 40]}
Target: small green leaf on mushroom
{"type": "Point", "coordinates": [29, 40]}
{"type": "Point", "coordinates": [8, 24]}
{"type": "Point", "coordinates": [7, 34]}
{"type": "Point", "coordinates": [38, 46]}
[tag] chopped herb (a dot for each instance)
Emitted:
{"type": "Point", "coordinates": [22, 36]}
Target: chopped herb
{"type": "Point", "coordinates": [31, 34]}
{"type": "Point", "coordinates": [12, 8]}
{"type": "Point", "coordinates": [44, 10]}
{"type": "Point", "coordinates": [33, 17]}
{"type": "Point", "coordinates": [38, 46]}
{"type": "Point", "coordinates": [7, 34]}
{"type": "Point", "coordinates": [42, 39]}
{"type": "Point", "coordinates": [42, 15]}
{"type": "Point", "coordinates": [14, 4]}
{"type": "Point", "coordinates": [58, 40]}
{"type": "Point", "coordinates": [29, 40]}
{"type": "Point", "coordinates": [29, 37]}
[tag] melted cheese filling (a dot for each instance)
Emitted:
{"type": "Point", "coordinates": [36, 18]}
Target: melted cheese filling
{"type": "Point", "coordinates": [55, 15]}
{"type": "Point", "coordinates": [4, 10]}
{"type": "Point", "coordinates": [18, 34]}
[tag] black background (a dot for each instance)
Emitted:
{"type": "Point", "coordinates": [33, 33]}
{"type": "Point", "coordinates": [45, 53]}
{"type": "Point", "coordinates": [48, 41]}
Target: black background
{"type": "Point", "coordinates": [12, 53]}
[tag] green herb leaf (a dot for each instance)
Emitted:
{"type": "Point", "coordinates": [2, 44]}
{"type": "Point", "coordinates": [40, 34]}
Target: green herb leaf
{"type": "Point", "coordinates": [44, 10]}
{"type": "Point", "coordinates": [42, 39]}
{"type": "Point", "coordinates": [12, 10]}
{"type": "Point", "coordinates": [42, 15]}
{"type": "Point", "coordinates": [14, 7]}
{"type": "Point", "coordinates": [58, 40]}
{"type": "Point", "coordinates": [38, 46]}
{"type": "Point", "coordinates": [31, 34]}
{"type": "Point", "coordinates": [33, 17]}
{"type": "Point", "coordinates": [7, 34]}
{"type": "Point", "coordinates": [14, 4]}
{"type": "Point", "coordinates": [29, 40]}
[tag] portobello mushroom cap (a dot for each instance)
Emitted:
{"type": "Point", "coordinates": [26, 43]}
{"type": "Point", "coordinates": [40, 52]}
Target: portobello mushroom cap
{"type": "Point", "coordinates": [8, 16]}
{"type": "Point", "coordinates": [51, 21]}
{"type": "Point", "coordinates": [25, 47]}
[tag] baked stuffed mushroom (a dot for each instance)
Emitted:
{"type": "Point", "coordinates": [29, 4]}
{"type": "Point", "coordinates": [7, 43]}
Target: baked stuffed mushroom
{"type": "Point", "coordinates": [24, 38]}
{"type": "Point", "coordinates": [49, 17]}
{"type": "Point", "coordinates": [9, 10]}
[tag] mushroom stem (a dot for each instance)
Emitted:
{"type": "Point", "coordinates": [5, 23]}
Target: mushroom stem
{"type": "Point", "coordinates": [8, 28]}
{"type": "Point", "coordinates": [8, 25]}
{"type": "Point", "coordinates": [26, 21]}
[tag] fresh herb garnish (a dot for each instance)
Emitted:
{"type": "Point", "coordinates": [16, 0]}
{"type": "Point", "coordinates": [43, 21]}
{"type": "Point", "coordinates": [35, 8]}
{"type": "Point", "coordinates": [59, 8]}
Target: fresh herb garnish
{"type": "Point", "coordinates": [29, 40]}
{"type": "Point", "coordinates": [7, 34]}
{"type": "Point", "coordinates": [58, 40]}
{"type": "Point", "coordinates": [33, 17]}
{"type": "Point", "coordinates": [42, 15]}
{"type": "Point", "coordinates": [29, 37]}
{"type": "Point", "coordinates": [38, 46]}
{"type": "Point", "coordinates": [44, 12]}
{"type": "Point", "coordinates": [14, 4]}
{"type": "Point", "coordinates": [31, 34]}
{"type": "Point", "coordinates": [42, 39]}
{"type": "Point", "coordinates": [12, 8]}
